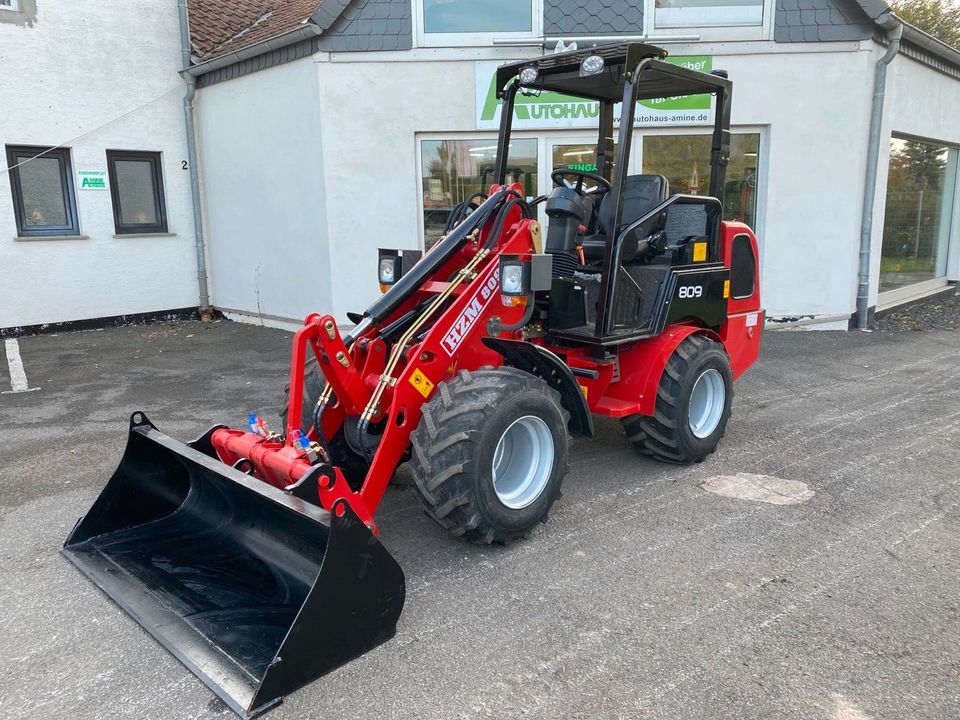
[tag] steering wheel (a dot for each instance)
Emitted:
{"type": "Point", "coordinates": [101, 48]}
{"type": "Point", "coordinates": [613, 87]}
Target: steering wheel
{"type": "Point", "coordinates": [559, 177]}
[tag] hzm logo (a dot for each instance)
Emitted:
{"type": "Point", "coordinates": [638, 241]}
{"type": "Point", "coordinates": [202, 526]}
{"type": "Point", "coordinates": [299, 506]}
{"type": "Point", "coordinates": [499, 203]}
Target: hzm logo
{"type": "Point", "coordinates": [461, 326]}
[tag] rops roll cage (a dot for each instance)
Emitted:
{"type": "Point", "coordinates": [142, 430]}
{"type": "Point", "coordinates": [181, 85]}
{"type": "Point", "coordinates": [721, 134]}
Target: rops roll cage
{"type": "Point", "coordinates": [631, 72]}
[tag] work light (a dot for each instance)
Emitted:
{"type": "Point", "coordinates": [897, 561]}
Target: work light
{"type": "Point", "coordinates": [514, 279]}
{"type": "Point", "coordinates": [591, 65]}
{"type": "Point", "coordinates": [529, 75]}
{"type": "Point", "coordinates": [389, 269]}
{"type": "Point", "coordinates": [511, 279]}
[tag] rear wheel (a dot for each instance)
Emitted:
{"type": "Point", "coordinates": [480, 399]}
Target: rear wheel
{"type": "Point", "coordinates": [693, 405]}
{"type": "Point", "coordinates": [490, 454]}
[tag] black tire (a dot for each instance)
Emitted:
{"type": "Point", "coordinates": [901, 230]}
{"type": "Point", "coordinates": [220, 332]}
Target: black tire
{"type": "Point", "coordinates": [313, 384]}
{"type": "Point", "coordinates": [454, 446]}
{"type": "Point", "coordinates": [668, 435]}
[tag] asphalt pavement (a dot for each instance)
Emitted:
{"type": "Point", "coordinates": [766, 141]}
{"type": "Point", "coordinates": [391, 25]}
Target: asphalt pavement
{"type": "Point", "coordinates": [830, 589]}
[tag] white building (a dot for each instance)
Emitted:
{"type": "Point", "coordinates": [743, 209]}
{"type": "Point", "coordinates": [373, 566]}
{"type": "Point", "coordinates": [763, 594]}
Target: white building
{"type": "Point", "coordinates": [329, 129]}
{"type": "Point", "coordinates": [344, 126]}
{"type": "Point", "coordinates": [101, 224]}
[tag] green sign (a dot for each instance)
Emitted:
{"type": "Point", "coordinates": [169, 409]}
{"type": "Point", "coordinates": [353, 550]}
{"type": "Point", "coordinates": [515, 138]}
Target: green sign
{"type": "Point", "coordinates": [553, 110]}
{"type": "Point", "coordinates": [92, 179]}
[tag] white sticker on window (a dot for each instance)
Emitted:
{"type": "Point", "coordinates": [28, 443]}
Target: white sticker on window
{"type": "Point", "coordinates": [752, 319]}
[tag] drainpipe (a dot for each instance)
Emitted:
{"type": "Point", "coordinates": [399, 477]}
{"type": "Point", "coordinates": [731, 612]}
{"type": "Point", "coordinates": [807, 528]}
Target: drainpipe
{"type": "Point", "coordinates": [206, 311]}
{"type": "Point", "coordinates": [894, 29]}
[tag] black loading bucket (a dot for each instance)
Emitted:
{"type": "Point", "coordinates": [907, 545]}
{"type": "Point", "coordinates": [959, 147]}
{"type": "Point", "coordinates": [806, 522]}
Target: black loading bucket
{"type": "Point", "coordinates": [257, 592]}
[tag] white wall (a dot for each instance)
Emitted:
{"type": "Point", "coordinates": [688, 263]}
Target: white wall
{"type": "Point", "coordinates": [815, 107]}
{"type": "Point", "coordinates": [265, 202]}
{"type": "Point", "coordinates": [289, 163]}
{"type": "Point", "coordinates": [78, 67]}
{"type": "Point", "coordinates": [926, 104]}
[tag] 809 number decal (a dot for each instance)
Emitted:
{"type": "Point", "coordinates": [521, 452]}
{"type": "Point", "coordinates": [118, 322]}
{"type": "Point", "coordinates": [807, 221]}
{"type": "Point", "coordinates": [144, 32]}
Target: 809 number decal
{"type": "Point", "coordinates": [690, 291]}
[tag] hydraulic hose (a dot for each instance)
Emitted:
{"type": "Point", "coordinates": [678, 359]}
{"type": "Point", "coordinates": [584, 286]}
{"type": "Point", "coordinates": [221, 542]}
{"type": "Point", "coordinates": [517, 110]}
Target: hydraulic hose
{"type": "Point", "coordinates": [501, 219]}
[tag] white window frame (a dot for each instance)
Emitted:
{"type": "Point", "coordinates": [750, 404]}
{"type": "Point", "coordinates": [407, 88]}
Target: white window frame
{"type": "Point", "coordinates": [473, 39]}
{"type": "Point", "coordinates": [763, 167]}
{"type": "Point", "coordinates": [710, 33]}
{"type": "Point", "coordinates": [14, 6]}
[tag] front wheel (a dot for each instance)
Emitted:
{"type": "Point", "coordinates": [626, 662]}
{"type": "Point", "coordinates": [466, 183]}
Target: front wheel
{"type": "Point", "coordinates": [490, 454]}
{"type": "Point", "coordinates": [693, 405]}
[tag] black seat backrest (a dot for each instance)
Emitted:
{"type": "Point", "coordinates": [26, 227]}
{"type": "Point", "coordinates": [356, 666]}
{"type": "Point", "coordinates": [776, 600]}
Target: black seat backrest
{"type": "Point", "coordinates": [641, 194]}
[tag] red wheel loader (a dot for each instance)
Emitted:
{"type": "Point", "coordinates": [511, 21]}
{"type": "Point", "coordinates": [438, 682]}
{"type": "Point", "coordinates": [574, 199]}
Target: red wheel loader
{"type": "Point", "coordinates": [254, 557]}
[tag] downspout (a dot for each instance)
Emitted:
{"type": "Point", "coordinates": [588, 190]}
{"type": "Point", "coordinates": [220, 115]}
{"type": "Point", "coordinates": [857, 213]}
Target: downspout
{"type": "Point", "coordinates": [894, 29]}
{"type": "Point", "coordinates": [206, 311]}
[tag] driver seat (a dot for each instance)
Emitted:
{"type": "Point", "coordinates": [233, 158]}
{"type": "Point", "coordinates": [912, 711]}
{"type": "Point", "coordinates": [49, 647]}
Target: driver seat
{"type": "Point", "coordinates": [641, 194]}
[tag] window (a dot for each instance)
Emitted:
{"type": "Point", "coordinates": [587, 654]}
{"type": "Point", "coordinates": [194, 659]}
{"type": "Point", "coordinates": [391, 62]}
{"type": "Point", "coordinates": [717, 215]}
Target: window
{"type": "Point", "coordinates": [466, 22]}
{"type": "Point", "coordinates": [579, 157]}
{"type": "Point", "coordinates": [685, 160]}
{"type": "Point", "coordinates": [707, 13]}
{"type": "Point", "coordinates": [42, 183]}
{"type": "Point", "coordinates": [10, 5]}
{"type": "Point", "coordinates": [921, 185]}
{"type": "Point", "coordinates": [136, 186]}
{"type": "Point", "coordinates": [453, 170]}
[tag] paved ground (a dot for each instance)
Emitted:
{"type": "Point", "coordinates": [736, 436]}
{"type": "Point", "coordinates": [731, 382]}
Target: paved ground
{"type": "Point", "coordinates": [643, 597]}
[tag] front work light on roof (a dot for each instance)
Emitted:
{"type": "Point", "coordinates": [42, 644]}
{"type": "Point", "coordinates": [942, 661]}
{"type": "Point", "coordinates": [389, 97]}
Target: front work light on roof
{"type": "Point", "coordinates": [529, 75]}
{"type": "Point", "coordinates": [591, 65]}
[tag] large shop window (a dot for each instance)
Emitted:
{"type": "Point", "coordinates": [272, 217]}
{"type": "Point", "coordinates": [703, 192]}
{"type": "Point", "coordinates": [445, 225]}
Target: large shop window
{"type": "Point", "coordinates": [453, 170]}
{"type": "Point", "coordinates": [466, 22]}
{"type": "Point", "coordinates": [707, 13]}
{"type": "Point", "coordinates": [136, 184]}
{"type": "Point", "coordinates": [43, 199]}
{"type": "Point", "coordinates": [921, 186]}
{"type": "Point", "coordinates": [578, 157]}
{"type": "Point", "coordinates": [685, 160]}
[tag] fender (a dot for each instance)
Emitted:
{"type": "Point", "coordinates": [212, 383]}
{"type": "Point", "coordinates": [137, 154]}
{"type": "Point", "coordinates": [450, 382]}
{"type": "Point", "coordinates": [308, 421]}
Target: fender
{"type": "Point", "coordinates": [544, 364]}
{"type": "Point", "coordinates": [642, 366]}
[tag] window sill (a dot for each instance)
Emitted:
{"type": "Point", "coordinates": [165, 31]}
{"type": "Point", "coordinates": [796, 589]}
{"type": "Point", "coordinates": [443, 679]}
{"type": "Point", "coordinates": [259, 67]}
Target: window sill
{"type": "Point", "coordinates": [125, 236]}
{"type": "Point", "coordinates": [890, 299]}
{"type": "Point", "coordinates": [34, 238]}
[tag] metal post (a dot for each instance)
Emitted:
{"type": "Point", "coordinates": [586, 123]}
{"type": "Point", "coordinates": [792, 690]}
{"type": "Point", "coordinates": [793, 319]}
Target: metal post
{"type": "Point", "coordinates": [895, 30]}
{"type": "Point", "coordinates": [206, 311]}
{"type": "Point", "coordinates": [503, 141]}
{"type": "Point", "coordinates": [608, 280]}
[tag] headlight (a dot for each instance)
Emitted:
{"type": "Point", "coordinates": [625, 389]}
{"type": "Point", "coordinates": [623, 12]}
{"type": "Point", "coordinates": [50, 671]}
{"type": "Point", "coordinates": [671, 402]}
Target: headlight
{"type": "Point", "coordinates": [529, 75]}
{"type": "Point", "coordinates": [591, 65]}
{"type": "Point", "coordinates": [511, 280]}
{"type": "Point", "coordinates": [388, 270]}
{"type": "Point", "coordinates": [514, 276]}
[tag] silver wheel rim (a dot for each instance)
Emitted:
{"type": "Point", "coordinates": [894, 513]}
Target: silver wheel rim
{"type": "Point", "coordinates": [706, 403]}
{"type": "Point", "coordinates": [523, 462]}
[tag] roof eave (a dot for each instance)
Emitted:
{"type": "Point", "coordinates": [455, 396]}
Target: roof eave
{"type": "Point", "coordinates": [926, 41]}
{"type": "Point", "coordinates": [306, 30]}
{"type": "Point", "coordinates": [881, 14]}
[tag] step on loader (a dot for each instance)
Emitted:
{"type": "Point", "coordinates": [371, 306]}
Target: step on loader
{"type": "Point", "coordinates": [254, 556]}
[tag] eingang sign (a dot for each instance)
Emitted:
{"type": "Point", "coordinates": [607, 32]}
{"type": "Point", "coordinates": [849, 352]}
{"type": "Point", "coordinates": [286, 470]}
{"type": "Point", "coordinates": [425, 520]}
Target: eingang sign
{"type": "Point", "coordinates": [552, 110]}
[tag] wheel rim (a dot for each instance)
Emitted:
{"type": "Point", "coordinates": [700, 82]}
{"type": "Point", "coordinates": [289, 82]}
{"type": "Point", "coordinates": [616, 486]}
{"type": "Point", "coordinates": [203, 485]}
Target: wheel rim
{"type": "Point", "coordinates": [706, 403]}
{"type": "Point", "coordinates": [523, 462]}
